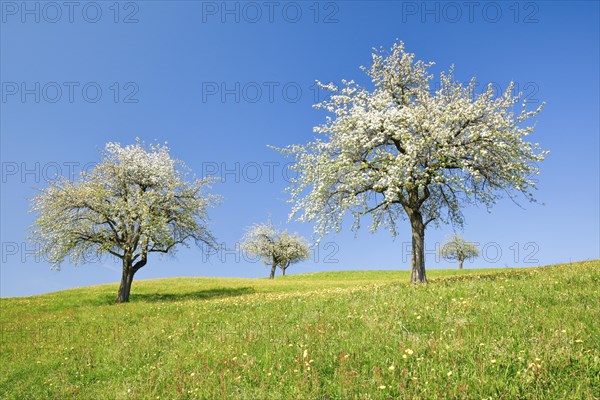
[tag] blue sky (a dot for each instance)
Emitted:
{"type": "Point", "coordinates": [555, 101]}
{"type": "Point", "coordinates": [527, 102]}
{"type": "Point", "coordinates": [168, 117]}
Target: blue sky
{"type": "Point", "coordinates": [221, 81]}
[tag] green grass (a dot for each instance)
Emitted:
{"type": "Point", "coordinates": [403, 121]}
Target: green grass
{"type": "Point", "coordinates": [509, 334]}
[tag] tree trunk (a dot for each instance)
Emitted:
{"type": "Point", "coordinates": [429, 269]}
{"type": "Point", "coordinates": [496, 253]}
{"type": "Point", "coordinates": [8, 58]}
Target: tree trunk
{"type": "Point", "coordinates": [129, 270]}
{"type": "Point", "coordinates": [126, 281]}
{"type": "Point", "coordinates": [282, 271]}
{"type": "Point", "coordinates": [273, 268]}
{"type": "Point", "coordinates": [460, 264]}
{"type": "Point", "coordinates": [418, 248]}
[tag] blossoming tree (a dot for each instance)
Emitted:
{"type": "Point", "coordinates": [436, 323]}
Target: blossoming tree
{"type": "Point", "coordinates": [404, 150]}
{"type": "Point", "coordinates": [293, 249]}
{"type": "Point", "coordinates": [274, 247]}
{"type": "Point", "coordinates": [457, 248]}
{"type": "Point", "coordinates": [137, 201]}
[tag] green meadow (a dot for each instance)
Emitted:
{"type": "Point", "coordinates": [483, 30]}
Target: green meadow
{"type": "Point", "coordinates": [472, 334]}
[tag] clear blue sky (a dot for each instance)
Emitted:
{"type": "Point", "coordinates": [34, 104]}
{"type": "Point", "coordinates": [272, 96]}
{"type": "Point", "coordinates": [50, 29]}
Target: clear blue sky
{"type": "Point", "coordinates": [189, 72]}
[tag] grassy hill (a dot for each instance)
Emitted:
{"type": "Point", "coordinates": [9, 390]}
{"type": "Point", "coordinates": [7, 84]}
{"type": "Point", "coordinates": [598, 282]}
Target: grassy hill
{"type": "Point", "coordinates": [511, 333]}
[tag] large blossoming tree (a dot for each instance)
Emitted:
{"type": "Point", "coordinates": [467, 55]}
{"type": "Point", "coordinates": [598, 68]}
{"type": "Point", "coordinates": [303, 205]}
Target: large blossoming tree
{"type": "Point", "coordinates": [405, 150]}
{"type": "Point", "coordinates": [137, 201]}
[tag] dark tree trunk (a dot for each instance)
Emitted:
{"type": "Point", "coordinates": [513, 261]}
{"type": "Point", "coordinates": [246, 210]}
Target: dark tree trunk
{"type": "Point", "coordinates": [418, 248]}
{"type": "Point", "coordinates": [126, 281]}
{"type": "Point", "coordinates": [460, 264]}
{"type": "Point", "coordinates": [129, 270]}
{"type": "Point", "coordinates": [273, 268]}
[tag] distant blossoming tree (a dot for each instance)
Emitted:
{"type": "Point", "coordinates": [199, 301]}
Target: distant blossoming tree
{"type": "Point", "coordinates": [137, 201]}
{"type": "Point", "coordinates": [293, 249]}
{"type": "Point", "coordinates": [403, 150]}
{"type": "Point", "coordinates": [274, 247]}
{"type": "Point", "coordinates": [457, 248]}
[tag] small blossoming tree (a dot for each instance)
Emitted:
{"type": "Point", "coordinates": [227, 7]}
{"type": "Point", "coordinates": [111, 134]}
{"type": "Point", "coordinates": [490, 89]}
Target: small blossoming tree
{"type": "Point", "coordinates": [403, 150]}
{"type": "Point", "coordinates": [293, 249]}
{"type": "Point", "coordinates": [457, 248]}
{"type": "Point", "coordinates": [137, 201]}
{"type": "Point", "coordinates": [274, 247]}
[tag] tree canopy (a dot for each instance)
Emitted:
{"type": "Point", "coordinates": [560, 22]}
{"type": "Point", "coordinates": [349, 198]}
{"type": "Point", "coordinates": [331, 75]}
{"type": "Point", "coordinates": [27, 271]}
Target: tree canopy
{"type": "Point", "coordinates": [403, 150]}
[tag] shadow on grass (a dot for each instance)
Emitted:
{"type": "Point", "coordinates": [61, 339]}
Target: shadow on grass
{"type": "Point", "coordinates": [199, 295]}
